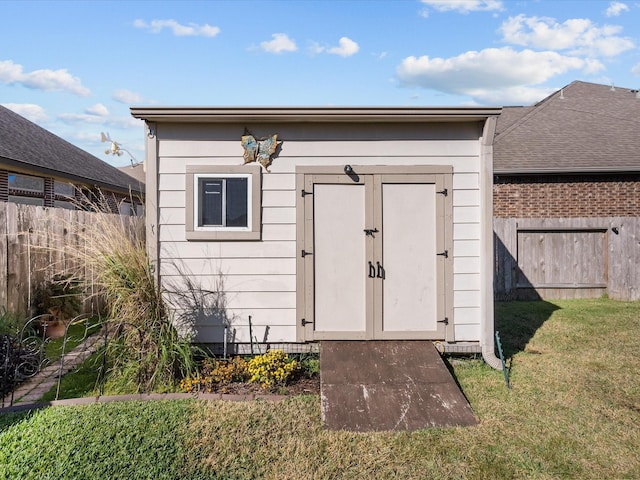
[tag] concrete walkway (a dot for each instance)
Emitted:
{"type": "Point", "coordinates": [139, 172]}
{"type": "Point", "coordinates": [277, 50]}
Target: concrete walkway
{"type": "Point", "coordinates": [32, 390]}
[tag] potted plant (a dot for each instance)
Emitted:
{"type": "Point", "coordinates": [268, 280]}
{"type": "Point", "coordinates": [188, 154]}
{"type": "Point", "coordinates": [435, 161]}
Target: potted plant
{"type": "Point", "coordinates": [59, 299]}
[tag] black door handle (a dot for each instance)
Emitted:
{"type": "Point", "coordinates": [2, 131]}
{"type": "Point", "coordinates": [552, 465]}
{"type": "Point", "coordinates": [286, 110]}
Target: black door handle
{"type": "Point", "coordinates": [380, 270]}
{"type": "Point", "coordinates": [372, 270]}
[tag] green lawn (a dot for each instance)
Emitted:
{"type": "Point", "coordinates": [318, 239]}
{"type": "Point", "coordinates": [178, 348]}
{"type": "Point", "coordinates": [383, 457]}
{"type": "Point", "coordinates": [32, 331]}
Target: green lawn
{"type": "Point", "coordinates": [573, 412]}
{"type": "Point", "coordinates": [76, 334]}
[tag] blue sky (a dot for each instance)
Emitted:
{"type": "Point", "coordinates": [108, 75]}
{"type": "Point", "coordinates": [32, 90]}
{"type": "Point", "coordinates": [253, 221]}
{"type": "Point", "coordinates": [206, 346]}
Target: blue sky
{"type": "Point", "coordinates": [76, 67]}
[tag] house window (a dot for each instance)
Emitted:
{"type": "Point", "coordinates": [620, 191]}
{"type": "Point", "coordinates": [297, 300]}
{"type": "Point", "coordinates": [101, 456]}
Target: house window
{"type": "Point", "coordinates": [64, 204]}
{"type": "Point", "coordinates": [26, 183]}
{"type": "Point", "coordinates": [223, 203]}
{"type": "Point", "coordinates": [64, 195]}
{"type": "Point", "coordinates": [26, 200]}
{"type": "Point", "coordinates": [26, 189]}
{"type": "Point", "coordinates": [130, 209]}
{"type": "Point", "coordinates": [64, 189]}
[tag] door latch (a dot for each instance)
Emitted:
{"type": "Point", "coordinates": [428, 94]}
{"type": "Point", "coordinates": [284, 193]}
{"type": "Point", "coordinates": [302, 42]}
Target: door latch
{"type": "Point", "coordinates": [304, 322]}
{"type": "Point", "coordinates": [370, 231]}
{"type": "Point", "coordinates": [444, 254]}
{"type": "Point", "coordinates": [372, 270]}
{"type": "Point", "coordinates": [445, 321]}
{"type": "Point", "coordinates": [380, 273]}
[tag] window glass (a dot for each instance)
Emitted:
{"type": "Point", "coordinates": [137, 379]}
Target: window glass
{"type": "Point", "coordinates": [124, 208]}
{"type": "Point", "coordinates": [210, 201]}
{"type": "Point", "coordinates": [26, 182]}
{"type": "Point", "coordinates": [236, 202]}
{"type": "Point", "coordinates": [63, 204]}
{"type": "Point", "coordinates": [26, 200]}
{"type": "Point", "coordinates": [223, 202]}
{"type": "Point", "coordinates": [63, 188]}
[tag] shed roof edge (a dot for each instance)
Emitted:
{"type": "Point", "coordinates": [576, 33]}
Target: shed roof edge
{"type": "Point", "coordinates": [312, 114]}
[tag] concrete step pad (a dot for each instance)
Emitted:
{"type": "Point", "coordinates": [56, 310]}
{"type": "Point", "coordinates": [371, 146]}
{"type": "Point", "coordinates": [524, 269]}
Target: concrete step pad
{"type": "Point", "coordinates": [388, 385]}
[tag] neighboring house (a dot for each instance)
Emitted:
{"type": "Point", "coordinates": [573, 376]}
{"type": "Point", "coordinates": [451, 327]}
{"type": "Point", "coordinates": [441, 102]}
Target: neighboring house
{"type": "Point", "coordinates": [373, 223]}
{"type": "Point", "coordinates": [39, 168]}
{"type": "Point", "coordinates": [135, 170]}
{"type": "Point", "coordinates": [567, 195]}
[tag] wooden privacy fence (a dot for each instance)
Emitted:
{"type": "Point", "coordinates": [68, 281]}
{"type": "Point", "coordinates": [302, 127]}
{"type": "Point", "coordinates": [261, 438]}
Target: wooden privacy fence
{"type": "Point", "coordinates": [558, 258]}
{"type": "Point", "coordinates": [33, 242]}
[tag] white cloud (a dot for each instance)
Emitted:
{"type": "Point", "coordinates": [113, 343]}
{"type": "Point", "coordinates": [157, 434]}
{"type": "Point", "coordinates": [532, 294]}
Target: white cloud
{"type": "Point", "coordinates": [98, 110]}
{"type": "Point", "coordinates": [491, 74]}
{"type": "Point", "coordinates": [578, 36]}
{"type": "Point", "coordinates": [33, 112]}
{"type": "Point", "coordinates": [514, 95]}
{"type": "Point", "coordinates": [616, 8]}
{"type": "Point", "coordinates": [346, 48]}
{"type": "Point", "coordinates": [636, 69]}
{"type": "Point", "coordinates": [98, 114]}
{"type": "Point", "coordinates": [127, 97]}
{"type": "Point", "coordinates": [178, 29]}
{"type": "Point", "coordinates": [47, 80]}
{"type": "Point", "coordinates": [279, 43]}
{"type": "Point", "coordinates": [462, 6]}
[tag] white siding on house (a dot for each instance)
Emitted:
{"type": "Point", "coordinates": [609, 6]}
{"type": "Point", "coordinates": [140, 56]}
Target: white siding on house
{"type": "Point", "coordinates": [260, 276]}
{"type": "Point", "coordinates": [468, 332]}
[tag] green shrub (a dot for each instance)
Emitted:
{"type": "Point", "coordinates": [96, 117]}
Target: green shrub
{"type": "Point", "coordinates": [310, 366]}
{"type": "Point", "coordinates": [10, 324]}
{"type": "Point", "coordinates": [60, 296]}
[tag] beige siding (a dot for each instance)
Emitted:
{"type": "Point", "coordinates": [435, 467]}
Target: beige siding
{"type": "Point", "coordinates": [230, 266]}
{"type": "Point", "coordinates": [239, 283]}
{"type": "Point", "coordinates": [468, 332]}
{"type": "Point", "coordinates": [259, 277]}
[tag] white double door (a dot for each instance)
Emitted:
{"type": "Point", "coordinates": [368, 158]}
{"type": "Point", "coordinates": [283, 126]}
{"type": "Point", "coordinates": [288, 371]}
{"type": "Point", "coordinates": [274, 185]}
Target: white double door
{"type": "Point", "coordinates": [375, 256]}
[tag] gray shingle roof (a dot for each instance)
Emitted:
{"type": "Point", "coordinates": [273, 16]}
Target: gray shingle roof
{"type": "Point", "coordinates": [584, 127]}
{"type": "Point", "coordinates": [25, 144]}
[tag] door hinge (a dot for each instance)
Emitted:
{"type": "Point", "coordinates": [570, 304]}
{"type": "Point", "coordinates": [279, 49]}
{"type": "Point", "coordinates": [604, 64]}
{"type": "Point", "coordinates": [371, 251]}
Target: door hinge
{"type": "Point", "coordinates": [445, 321]}
{"type": "Point", "coordinates": [444, 192]}
{"type": "Point", "coordinates": [304, 192]}
{"type": "Point", "coordinates": [444, 254]}
{"type": "Point", "coordinates": [304, 253]}
{"type": "Point", "coordinates": [304, 322]}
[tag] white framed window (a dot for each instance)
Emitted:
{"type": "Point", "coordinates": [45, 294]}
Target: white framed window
{"type": "Point", "coordinates": [223, 203]}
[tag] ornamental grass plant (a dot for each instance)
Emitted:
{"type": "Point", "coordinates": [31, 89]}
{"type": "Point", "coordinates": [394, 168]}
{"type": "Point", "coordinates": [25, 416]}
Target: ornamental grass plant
{"type": "Point", "coordinates": [146, 351]}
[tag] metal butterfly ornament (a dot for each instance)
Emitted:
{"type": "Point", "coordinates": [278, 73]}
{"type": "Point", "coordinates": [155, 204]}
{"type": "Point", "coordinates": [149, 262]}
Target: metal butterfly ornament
{"type": "Point", "coordinates": [259, 150]}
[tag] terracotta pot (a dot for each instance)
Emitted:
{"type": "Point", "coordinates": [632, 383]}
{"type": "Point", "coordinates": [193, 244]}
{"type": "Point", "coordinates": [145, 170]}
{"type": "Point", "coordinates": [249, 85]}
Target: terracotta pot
{"type": "Point", "coordinates": [54, 328]}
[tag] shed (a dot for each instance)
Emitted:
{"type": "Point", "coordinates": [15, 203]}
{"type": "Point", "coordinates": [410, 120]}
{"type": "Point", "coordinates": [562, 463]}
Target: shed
{"type": "Point", "coordinates": [370, 223]}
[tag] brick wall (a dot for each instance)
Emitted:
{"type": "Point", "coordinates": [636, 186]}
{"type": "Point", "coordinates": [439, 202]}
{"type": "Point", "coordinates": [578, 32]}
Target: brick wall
{"type": "Point", "coordinates": [561, 196]}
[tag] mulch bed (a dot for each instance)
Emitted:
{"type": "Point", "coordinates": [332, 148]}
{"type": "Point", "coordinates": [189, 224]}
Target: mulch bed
{"type": "Point", "coordinates": [300, 386]}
